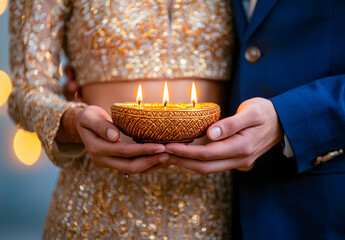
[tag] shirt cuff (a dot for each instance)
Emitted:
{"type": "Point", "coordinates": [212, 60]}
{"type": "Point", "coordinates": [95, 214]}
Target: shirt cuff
{"type": "Point", "coordinates": [287, 151]}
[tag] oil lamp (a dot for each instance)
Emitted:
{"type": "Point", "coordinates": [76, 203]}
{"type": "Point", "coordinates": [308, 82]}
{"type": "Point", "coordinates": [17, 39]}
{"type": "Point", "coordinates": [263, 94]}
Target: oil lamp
{"type": "Point", "coordinates": [164, 122]}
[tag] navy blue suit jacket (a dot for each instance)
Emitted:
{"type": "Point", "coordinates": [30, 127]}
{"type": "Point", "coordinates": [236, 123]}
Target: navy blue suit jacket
{"type": "Point", "coordinates": [302, 71]}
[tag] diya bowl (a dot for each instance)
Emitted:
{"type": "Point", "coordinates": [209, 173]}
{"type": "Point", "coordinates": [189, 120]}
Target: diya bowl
{"type": "Point", "coordinates": [151, 122]}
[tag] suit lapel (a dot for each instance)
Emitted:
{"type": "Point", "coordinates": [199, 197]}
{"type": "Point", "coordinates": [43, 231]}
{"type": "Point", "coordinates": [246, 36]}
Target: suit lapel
{"type": "Point", "coordinates": [245, 29]}
{"type": "Point", "coordinates": [240, 17]}
{"type": "Point", "coordinates": [262, 9]}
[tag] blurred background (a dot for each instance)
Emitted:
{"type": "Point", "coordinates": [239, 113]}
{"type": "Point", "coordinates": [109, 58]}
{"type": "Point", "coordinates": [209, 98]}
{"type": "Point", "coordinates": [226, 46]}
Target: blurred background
{"type": "Point", "coordinates": [27, 177]}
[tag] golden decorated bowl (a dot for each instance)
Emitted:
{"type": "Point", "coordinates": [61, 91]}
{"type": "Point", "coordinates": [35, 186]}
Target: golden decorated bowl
{"type": "Point", "coordinates": [158, 124]}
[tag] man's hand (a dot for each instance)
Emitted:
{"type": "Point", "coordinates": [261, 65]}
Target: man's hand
{"type": "Point", "coordinates": [239, 140]}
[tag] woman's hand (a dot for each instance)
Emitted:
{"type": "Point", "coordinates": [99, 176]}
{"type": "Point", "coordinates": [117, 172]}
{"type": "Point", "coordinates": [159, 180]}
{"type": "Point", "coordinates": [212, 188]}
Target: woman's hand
{"type": "Point", "coordinates": [71, 87]}
{"type": "Point", "coordinates": [239, 140]}
{"type": "Point", "coordinates": [101, 139]}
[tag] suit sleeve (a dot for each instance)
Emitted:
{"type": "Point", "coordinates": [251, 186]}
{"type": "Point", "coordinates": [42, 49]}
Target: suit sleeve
{"type": "Point", "coordinates": [313, 118]}
{"type": "Point", "coordinates": [37, 32]}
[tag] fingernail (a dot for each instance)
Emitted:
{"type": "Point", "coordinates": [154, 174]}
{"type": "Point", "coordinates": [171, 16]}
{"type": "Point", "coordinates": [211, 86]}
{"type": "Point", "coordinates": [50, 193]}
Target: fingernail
{"type": "Point", "coordinates": [160, 150]}
{"type": "Point", "coordinates": [111, 133]}
{"type": "Point", "coordinates": [215, 132]}
{"type": "Point", "coordinates": [163, 159]}
{"type": "Point", "coordinates": [168, 151]}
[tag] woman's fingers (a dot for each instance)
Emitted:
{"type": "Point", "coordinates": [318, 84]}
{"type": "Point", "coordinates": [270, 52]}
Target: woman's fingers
{"type": "Point", "coordinates": [69, 90]}
{"type": "Point", "coordinates": [72, 87]}
{"type": "Point", "coordinates": [123, 149]}
{"type": "Point", "coordinates": [69, 71]}
{"type": "Point", "coordinates": [229, 148]}
{"type": "Point", "coordinates": [101, 139]}
{"type": "Point", "coordinates": [134, 165]}
{"type": "Point", "coordinates": [127, 150]}
{"type": "Point", "coordinates": [97, 146]}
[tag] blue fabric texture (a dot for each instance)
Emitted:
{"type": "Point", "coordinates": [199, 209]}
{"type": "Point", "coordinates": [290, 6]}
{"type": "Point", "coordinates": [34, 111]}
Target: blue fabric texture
{"type": "Point", "coordinates": [302, 71]}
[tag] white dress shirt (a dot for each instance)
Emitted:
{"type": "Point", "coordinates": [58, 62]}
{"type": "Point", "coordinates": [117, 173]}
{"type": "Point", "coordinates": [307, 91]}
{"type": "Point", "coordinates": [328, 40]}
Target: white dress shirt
{"type": "Point", "coordinates": [249, 6]}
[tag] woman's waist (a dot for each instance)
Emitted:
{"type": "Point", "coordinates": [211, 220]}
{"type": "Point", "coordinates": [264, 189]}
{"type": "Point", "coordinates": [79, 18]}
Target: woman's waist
{"type": "Point", "coordinates": [105, 93]}
{"type": "Point", "coordinates": [142, 79]}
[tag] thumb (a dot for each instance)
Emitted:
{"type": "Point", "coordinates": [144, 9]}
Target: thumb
{"type": "Point", "coordinates": [99, 122]}
{"type": "Point", "coordinates": [106, 130]}
{"type": "Point", "coordinates": [222, 129]}
{"type": "Point", "coordinates": [112, 133]}
{"type": "Point", "coordinates": [229, 126]}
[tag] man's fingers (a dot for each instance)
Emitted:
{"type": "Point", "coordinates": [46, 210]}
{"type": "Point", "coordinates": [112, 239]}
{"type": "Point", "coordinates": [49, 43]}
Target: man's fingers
{"type": "Point", "coordinates": [208, 167]}
{"type": "Point", "coordinates": [231, 147]}
{"type": "Point", "coordinates": [131, 166]}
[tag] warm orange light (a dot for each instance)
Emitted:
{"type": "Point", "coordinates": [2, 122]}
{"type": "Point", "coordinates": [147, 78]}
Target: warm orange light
{"type": "Point", "coordinates": [166, 95]}
{"type": "Point", "coordinates": [5, 87]}
{"type": "Point", "coordinates": [27, 147]}
{"type": "Point", "coordinates": [139, 95]}
{"type": "Point", "coordinates": [60, 70]}
{"type": "Point", "coordinates": [193, 95]}
{"type": "Point", "coordinates": [3, 5]}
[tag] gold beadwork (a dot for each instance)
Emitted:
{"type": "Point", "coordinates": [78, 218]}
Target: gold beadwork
{"type": "Point", "coordinates": [328, 156]}
{"type": "Point", "coordinates": [129, 40]}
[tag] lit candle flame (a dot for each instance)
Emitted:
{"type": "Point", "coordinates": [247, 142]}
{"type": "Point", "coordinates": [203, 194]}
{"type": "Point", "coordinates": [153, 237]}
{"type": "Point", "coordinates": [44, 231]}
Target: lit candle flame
{"type": "Point", "coordinates": [193, 95]}
{"type": "Point", "coordinates": [139, 95]}
{"type": "Point", "coordinates": [165, 95]}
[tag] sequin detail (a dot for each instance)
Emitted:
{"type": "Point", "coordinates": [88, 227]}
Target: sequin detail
{"type": "Point", "coordinates": [36, 41]}
{"type": "Point", "coordinates": [119, 40]}
{"type": "Point", "coordinates": [168, 204]}
{"type": "Point", "coordinates": [128, 40]}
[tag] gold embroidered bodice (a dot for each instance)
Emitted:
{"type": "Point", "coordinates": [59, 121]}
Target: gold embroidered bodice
{"type": "Point", "coordinates": [124, 40]}
{"type": "Point", "coordinates": [110, 40]}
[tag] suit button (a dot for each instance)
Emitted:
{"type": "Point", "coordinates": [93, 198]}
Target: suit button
{"type": "Point", "coordinates": [252, 54]}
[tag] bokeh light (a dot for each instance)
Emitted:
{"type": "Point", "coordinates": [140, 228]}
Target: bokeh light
{"type": "Point", "coordinates": [27, 147]}
{"type": "Point", "coordinates": [5, 87]}
{"type": "Point", "coordinates": [60, 70]}
{"type": "Point", "coordinates": [3, 5]}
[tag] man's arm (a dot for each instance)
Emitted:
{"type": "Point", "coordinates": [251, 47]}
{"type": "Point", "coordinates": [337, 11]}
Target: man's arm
{"type": "Point", "coordinates": [312, 116]}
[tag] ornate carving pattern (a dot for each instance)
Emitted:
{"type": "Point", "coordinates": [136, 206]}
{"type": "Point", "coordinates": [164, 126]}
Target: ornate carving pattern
{"type": "Point", "coordinates": [154, 123]}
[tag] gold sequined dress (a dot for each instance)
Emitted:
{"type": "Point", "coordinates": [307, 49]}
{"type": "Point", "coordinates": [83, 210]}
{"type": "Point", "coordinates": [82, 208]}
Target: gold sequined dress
{"type": "Point", "coordinates": [110, 40]}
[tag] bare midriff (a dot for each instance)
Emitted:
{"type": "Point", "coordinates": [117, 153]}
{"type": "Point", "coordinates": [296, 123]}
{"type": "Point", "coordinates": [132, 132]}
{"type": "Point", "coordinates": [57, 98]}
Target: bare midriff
{"type": "Point", "coordinates": [105, 94]}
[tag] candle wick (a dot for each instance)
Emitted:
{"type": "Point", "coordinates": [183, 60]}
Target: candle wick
{"type": "Point", "coordinates": [193, 103]}
{"type": "Point", "coordinates": [139, 102]}
{"type": "Point", "coordinates": [165, 103]}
